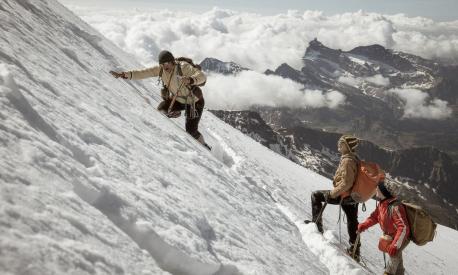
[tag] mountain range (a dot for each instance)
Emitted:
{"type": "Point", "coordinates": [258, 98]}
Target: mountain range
{"type": "Point", "coordinates": [374, 81]}
{"type": "Point", "coordinates": [419, 153]}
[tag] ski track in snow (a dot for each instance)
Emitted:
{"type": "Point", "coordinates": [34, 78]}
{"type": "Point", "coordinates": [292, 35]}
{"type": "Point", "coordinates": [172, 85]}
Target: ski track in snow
{"type": "Point", "coordinates": [95, 181]}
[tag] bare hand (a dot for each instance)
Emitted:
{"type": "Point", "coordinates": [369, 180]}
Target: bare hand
{"type": "Point", "coordinates": [119, 75]}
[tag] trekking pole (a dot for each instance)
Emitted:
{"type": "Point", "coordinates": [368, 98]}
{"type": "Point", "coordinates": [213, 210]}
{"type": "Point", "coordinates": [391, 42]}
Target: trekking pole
{"type": "Point", "coordinates": [384, 259]}
{"type": "Point", "coordinates": [355, 245]}
{"type": "Point", "coordinates": [340, 221]}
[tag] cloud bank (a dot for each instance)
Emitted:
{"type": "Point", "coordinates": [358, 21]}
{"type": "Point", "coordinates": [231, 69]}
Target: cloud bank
{"type": "Point", "coordinates": [417, 104]}
{"type": "Point", "coordinates": [249, 88]}
{"type": "Point", "coordinates": [264, 42]}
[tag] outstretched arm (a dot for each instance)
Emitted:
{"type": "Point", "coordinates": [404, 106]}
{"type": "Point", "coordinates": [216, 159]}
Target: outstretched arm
{"type": "Point", "coordinates": [138, 74]}
{"type": "Point", "coordinates": [370, 221]}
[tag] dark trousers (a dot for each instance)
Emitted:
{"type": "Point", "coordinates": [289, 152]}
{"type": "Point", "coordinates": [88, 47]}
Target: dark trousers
{"type": "Point", "coordinates": [192, 124]}
{"type": "Point", "coordinates": [349, 206]}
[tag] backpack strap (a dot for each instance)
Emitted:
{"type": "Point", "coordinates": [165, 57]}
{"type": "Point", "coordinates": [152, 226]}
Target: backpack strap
{"type": "Point", "coordinates": [192, 110]}
{"type": "Point", "coordinates": [190, 62]}
{"type": "Point", "coordinates": [159, 77]}
{"type": "Point", "coordinates": [179, 71]}
{"type": "Point", "coordinates": [161, 72]}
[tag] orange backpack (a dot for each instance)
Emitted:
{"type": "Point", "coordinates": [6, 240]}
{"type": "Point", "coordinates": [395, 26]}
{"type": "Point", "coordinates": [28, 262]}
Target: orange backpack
{"type": "Point", "coordinates": [368, 176]}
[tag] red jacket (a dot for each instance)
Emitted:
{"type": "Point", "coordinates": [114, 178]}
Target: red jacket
{"type": "Point", "coordinates": [394, 224]}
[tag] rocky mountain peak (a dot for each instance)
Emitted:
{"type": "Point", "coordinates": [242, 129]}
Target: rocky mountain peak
{"type": "Point", "coordinates": [380, 53]}
{"type": "Point", "coordinates": [217, 66]}
{"type": "Point", "coordinates": [316, 46]}
{"type": "Point", "coordinates": [371, 50]}
{"type": "Point", "coordinates": [287, 71]}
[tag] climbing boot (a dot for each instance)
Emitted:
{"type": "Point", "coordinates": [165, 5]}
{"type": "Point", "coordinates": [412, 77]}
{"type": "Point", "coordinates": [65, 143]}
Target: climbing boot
{"type": "Point", "coordinates": [350, 249]}
{"type": "Point", "coordinates": [319, 226]}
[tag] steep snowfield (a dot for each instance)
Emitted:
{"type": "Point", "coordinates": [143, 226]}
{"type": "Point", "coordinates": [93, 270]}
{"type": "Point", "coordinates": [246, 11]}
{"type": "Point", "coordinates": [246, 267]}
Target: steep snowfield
{"type": "Point", "coordinates": [93, 180]}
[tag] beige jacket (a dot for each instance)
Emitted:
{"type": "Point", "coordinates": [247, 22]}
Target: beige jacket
{"type": "Point", "coordinates": [176, 85]}
{"type": "Point", "coordinates": [345, 175]}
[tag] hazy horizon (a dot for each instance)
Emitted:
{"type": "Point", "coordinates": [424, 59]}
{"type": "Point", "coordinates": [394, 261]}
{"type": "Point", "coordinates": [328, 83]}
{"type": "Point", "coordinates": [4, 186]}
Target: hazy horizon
{"type": "Point", "coordinates": [439, 10]}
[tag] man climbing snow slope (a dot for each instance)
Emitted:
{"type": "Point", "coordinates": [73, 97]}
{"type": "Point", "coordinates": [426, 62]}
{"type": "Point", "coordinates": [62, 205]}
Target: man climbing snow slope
{"type": "Point", "coordinates": [181, 80]}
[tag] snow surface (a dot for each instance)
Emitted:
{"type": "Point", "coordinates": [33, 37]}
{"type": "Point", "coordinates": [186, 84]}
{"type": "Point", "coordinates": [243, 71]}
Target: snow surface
{"type": "Point", "coordinates": [93, 180]}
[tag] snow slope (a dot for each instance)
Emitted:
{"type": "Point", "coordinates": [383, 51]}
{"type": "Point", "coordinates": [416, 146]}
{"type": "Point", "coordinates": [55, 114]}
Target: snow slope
{"type": "Point", "coordinates": [93, 180]}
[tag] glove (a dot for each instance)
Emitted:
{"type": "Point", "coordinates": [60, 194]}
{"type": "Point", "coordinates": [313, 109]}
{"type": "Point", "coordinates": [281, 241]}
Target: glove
{"type": "Point", "coordinates": [119, 75]}
{"type": "Point", "coordinates": [392, 250]}
{"type": "Point", "coordinates": [361, 228]}
{"type": "Point", "coordinates": [327, 195]}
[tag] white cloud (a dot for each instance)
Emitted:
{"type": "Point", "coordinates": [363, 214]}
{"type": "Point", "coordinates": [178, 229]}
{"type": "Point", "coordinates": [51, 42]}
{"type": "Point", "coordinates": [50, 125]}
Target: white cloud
{"type": "Point", "coordinates": [417, 104]}
{"type": "Point", "coordinates": [261, 42]}
{"type": "Point", "coordinates": [349, 80]}
{"type": "Point", "coordinates": [249, 88]}
{"type": "Point", "coordinates": [378, 80]}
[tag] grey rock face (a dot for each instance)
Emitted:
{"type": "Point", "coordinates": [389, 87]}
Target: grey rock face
{"type": "Point", "coordinates": [365, 75]}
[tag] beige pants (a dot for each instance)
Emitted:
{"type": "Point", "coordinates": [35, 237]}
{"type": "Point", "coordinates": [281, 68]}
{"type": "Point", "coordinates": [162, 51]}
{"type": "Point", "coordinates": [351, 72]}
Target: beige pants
{"type": "Point", "coordinates": [395, 264]}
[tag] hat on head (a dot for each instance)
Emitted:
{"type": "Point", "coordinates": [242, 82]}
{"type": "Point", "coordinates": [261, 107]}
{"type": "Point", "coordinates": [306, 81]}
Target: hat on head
{"type": "Point", "coordinates": [351, 141]}
{"type": "Point", "coordinates": [165, 56]}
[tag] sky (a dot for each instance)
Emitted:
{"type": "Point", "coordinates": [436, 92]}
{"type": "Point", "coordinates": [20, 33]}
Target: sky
{"type": "Point", "coordinates": [440, 10]}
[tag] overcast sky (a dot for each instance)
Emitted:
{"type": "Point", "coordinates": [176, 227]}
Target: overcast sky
{"type": "Point", "coordinates": [442, 10]}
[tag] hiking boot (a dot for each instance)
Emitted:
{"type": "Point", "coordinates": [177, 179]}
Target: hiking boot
{"type": "Point", "coordinates": [319, 226]}
{"type": "Point", "coordinates": [350, 249]}
{"type": "Point", "coordinates": [174, 114]}
{"type": "Point", "coordinates": [202, 141]}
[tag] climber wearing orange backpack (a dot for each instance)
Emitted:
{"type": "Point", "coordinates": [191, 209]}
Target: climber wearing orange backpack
{"type": "Point", "coordinates": [343, 181]}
